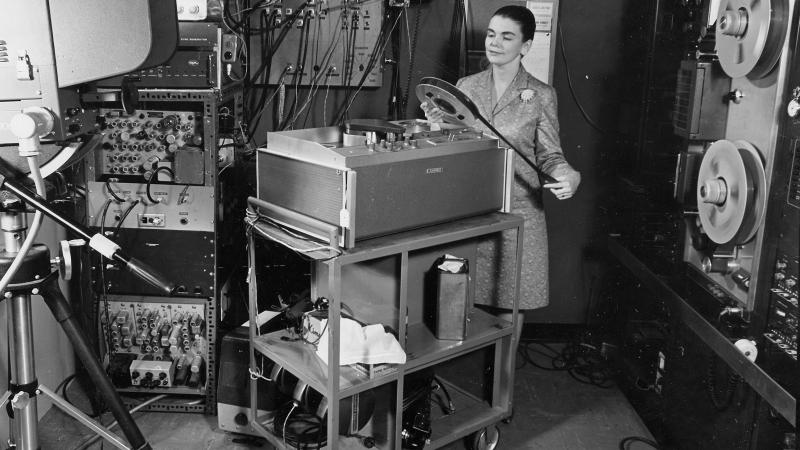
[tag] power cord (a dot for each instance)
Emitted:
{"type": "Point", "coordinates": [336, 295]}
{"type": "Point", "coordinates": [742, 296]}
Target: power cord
{"type": "Point", "coordinates": [155, 175]}
{"type": "Point", "coordinates": [720, 400]}
{"type": "Point", "coordinates": [624, 443]}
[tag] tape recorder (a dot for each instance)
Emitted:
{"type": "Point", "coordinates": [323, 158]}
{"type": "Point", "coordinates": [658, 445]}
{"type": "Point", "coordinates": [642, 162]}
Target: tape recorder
{"type": "Point", "coordinates": [724, 183]}
{"type": "Point", "coordinates": [372, 178]}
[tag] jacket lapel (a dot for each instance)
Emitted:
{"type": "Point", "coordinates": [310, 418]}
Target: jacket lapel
{"type": "Point", "coordinates": [513, 91]}
{"type": "Point", "coordinates": [483, 97]}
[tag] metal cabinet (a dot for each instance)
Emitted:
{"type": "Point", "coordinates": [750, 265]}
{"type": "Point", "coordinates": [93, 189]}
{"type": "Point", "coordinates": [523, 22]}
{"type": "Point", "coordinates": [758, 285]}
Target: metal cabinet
{"type": "Point", "coordinates": [382, 280]}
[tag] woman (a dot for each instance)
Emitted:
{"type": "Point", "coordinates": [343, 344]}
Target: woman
{"type": "Point", "coordinates": [524, 111]}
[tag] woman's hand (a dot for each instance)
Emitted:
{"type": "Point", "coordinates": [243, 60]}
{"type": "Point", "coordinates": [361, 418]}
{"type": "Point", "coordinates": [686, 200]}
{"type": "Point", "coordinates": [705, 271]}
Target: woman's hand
{"type": "Point", "coordinates": [432, 113]}
{"type": "Point", "coordinates": [566, 184]}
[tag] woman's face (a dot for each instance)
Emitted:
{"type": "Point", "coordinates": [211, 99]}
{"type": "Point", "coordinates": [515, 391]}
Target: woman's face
{"type": "Point", "coordinates": [504, 41]}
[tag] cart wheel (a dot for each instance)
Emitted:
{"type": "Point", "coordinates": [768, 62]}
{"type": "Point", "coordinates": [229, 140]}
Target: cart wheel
{"type": "Point", "coordinates": [485, 439]}
{"type": "Point", "coordinates": [508, 419]}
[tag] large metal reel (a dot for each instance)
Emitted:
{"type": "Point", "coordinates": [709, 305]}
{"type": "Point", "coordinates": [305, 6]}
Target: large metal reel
{"type": "Point", "coordinates": [731, 192]}
{"type": "Point", "coordinates": [448, 98]}
{"type": "Point", "coordinates": [750, 36]}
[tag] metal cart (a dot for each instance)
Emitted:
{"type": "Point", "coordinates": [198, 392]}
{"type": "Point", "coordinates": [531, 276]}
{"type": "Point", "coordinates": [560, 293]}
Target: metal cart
{"type": "Point", "coordinates": [381, 280]}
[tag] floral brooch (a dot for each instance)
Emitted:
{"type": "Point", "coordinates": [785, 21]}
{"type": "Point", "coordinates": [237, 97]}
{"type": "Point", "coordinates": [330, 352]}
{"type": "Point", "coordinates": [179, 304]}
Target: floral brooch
{"type": "Point", "coordinates": [526, 95]}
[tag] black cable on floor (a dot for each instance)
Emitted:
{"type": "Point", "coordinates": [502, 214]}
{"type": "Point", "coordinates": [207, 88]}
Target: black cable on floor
{"type": "Point", "coordinates": [582, 361]}
{"type": "Point", "coordinates": [623, 444]}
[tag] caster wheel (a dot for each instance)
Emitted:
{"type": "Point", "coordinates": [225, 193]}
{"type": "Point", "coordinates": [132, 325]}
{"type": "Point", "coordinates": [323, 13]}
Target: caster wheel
{"type": "Point", "coordinates": [485, 439]}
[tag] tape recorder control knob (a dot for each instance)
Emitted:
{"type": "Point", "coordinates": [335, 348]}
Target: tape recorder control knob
{"type": "Point", "coordinates": [736, 96]}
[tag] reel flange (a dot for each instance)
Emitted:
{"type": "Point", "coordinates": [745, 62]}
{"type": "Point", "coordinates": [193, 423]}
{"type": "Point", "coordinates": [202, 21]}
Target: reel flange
{"type": "Point", "coordinates": [750, 36]}
{"type": "Point", "coordinates": [454, 104]}
{"type": "Point", "coordinates": [731, 192]}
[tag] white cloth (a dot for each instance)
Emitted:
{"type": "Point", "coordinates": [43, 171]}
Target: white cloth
{"type": "Point", "coordinates": [369, 344]}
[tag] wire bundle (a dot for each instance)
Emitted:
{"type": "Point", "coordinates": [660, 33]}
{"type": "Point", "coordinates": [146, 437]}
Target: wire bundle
{"type": "Point", "coordinates": [582, 361]}
{"type": "Point", "coordinates": [298, 428]}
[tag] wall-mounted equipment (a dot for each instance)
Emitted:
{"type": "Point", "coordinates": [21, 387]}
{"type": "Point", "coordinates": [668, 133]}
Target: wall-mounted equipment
{"type": "Point", "coordinates": [319, 43]}
{"type": "Point", "coordinates": [196, 64]}
{"type": "Point", "coordinates": [724, 237]}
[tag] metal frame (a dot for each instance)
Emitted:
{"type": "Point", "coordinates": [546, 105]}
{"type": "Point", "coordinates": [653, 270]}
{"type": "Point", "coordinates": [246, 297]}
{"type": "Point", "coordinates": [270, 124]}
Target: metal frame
{"type": "Point", "coordinates": [337, 382]}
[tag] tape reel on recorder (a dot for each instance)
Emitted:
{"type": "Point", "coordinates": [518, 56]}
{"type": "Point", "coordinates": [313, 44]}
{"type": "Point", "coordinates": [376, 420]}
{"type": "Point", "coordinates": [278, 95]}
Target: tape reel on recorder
{"type": "Point", "coordinates": [731, 192]}
{"type": "Point", "coordinates": [750, 35]}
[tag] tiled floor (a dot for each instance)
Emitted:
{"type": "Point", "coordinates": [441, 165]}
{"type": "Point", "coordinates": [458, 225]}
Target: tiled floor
{"type": "Point", "coordinates": [552, 412]}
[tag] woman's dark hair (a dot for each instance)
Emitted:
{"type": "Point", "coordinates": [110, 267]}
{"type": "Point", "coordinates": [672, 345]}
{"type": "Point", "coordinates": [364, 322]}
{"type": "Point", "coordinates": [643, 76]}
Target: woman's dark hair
{"type": "Point", "coordinates": [523, 16]}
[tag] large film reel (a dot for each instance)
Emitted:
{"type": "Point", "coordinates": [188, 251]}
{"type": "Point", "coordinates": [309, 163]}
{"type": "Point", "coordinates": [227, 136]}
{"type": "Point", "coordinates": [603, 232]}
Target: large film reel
{"type": "Point", "coordinates": [750, 35]}
{"type": "Point", "coordinates": [731, 192]}
{"type": "Point", "coordinates": [454, 104]}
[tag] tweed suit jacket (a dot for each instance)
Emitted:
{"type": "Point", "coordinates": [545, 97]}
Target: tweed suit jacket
{"type": "Point", "coordinates": [526, 114]}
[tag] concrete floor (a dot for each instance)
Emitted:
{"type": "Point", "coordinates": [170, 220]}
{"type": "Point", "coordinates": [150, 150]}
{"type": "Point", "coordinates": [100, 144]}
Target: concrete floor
{"type": "Point", "coordinates": [552, 412]}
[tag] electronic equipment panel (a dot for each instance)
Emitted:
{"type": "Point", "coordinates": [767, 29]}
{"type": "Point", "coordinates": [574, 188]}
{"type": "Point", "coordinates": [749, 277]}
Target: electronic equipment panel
{"type": "Point", "coordinates": [333, 43]}
{"type": "Point", "coordinates": [206, 58]}
{"type": "Point", "coordinates": [782, 265]}
{"type": "Point", "coordinates": [136, 144]}
{"type": "Point", "coordinates": [157, 344]}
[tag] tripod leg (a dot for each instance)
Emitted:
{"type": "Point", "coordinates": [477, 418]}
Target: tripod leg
{"type": "Point", "coordinates": [63, 313]}
{"type": "Point", "coordinates": [24, 372]}
{"type": "Point", "coordinates": [4, 399]}
{"type": "Point", "coordinates": [83, 418]}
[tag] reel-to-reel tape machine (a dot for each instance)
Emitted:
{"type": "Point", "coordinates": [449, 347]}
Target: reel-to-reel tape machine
{"type": "Point", "coordinates": [724, 236]}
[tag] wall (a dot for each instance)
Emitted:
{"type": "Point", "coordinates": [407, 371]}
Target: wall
{"type": "Point", "coordinates": [593, 40]}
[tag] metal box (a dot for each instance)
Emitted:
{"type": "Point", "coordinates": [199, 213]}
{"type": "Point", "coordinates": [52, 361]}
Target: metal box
{"type": "Point", "coordinates": [310, 181]}
{"type": "Point", "coordinates": [452, 306]}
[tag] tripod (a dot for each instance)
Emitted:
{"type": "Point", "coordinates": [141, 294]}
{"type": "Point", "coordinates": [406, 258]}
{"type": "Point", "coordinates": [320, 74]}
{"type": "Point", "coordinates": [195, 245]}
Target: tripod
{"type": "Point", "coordinates": [34, 276]}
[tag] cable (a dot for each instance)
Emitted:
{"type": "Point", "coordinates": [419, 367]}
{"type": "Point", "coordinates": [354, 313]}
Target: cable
{"type": "Point", "coordinates": [326, 71]}
{"type": "Point", "coordinates": [582, 361]}
{"type": "Point", "coordinates": [251, 217]}
{"type": "Point", "coordinates": [153, 176]}
{"type": "Point", "coordinates": [623, 444]}
{"type": "Point", "coordinates": [124, 216]}
{"type": "Point", "coordinates": [412, 51]}
{"type": "Point", "coordinates": [585, 115]}
{"type": "Point", "coordinates": [112, 193]}
{"type": "Point", "coordinates": [281, 84]}
{"type": "Point", "coordinates": [449, 409]}
{"type": "Point", "coordinates": [720, 404]}
{"type": "Point", "coordinates": [380, 46]}
{"type": "Point", "coordinates": [136, 408]}
{"type": "Point", "coordinates": [64, 385]}
{"type": "Point", "coordinates": [33, 230]}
